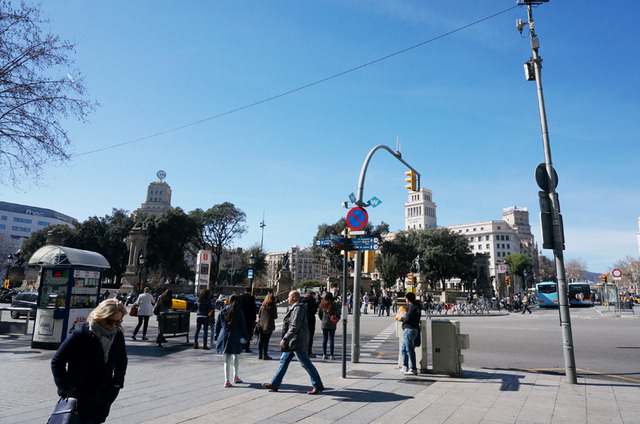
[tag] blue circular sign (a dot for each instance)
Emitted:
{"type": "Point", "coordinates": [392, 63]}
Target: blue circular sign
{"type": "Point", "coordinates": [357, 218]}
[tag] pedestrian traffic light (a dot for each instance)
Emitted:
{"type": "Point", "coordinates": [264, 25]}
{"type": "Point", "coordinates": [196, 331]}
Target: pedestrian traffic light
{"type": "Point", "coordinates": [508, 280]}
{"type": "Point", "coordinates": [369, 264]}
{"type": "Point", "coordinates": [411, 180]}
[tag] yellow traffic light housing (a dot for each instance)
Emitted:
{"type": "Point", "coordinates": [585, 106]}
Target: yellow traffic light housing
{"type": "Point", "coordinates": [410, 280]}
{"type": "Point", "coordinates": [411, 180]}
{"type": "Point", "coordinates": [369, 264]}
{"type": "Point", "coordinates": [604, 278]}
{"type": "Point", "coordinates": [508, 280]}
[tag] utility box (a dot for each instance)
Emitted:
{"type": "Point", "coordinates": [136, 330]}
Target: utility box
{"type": "Point", "coordinates": [446, 345]}
{"type": "Point", "coordinates": [421, 351]}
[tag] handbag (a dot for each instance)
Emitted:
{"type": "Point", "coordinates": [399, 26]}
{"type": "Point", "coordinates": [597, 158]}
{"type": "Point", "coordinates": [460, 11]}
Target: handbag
{"type": "Point", "coordinates": [134, 311]}
{"type": "Point", "coordinates": [418, 341]}
{"type": "Point", "coordinates": [257, 330]}
{"type": "Point", "coordinates": [212, 316]}
{"type": "Point", "coordinates": [334, 319]}
{"type": "Point", "coordinates": [65, 412]}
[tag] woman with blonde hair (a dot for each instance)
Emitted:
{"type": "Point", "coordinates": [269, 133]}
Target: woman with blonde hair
{"type": "Point", "coordinates": [267, 316]}
{"type": "Point", "coordinates": [91, 362]}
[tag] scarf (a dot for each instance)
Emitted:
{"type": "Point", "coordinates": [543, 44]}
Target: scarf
{"type": "Point", "coordinates": [105, 337]}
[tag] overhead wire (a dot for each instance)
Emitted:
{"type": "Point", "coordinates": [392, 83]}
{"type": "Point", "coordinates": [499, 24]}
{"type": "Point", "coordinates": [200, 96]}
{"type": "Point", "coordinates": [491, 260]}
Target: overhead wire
{"type": "Point", "coordinates": [294, 90]}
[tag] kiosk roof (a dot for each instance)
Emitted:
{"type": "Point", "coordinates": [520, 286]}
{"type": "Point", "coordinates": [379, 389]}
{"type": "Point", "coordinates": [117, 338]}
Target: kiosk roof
{"type": "Point", "coordinates": [61, 255]}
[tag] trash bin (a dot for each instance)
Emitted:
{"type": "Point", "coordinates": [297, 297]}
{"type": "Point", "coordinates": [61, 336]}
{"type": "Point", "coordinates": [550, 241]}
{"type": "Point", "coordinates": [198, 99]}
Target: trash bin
{"type": "Point", "coordinates": [174, 324]}
{"type": "Point", "coordinates": [446, 345]}
{"type": "Point", "coordinates": [421, 351]}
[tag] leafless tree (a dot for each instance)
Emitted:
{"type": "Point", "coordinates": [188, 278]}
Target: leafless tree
{"type": "Point", "coordinates": [575, 269]}
{"type": "Point", "coordinates": [38, 91]}
{"type": "Point", "coordinates": [546, 269]}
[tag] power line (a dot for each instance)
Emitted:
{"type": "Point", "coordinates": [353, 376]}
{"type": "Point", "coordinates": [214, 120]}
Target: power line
{"type": "Point", "coordinates": [303, 87]}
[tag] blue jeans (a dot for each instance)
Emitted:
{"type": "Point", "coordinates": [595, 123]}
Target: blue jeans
{"type": "Point", "coordinates": [408, 347]}
{"type": "Point", "coordinates": [303, 358]}
{"type": "Point", "coordinates": [330, 335]}
{"type": "Point", "coordinates": [201, 321]}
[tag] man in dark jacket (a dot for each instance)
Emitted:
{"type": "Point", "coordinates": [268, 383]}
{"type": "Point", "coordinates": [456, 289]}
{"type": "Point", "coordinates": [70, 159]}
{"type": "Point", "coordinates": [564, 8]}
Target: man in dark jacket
{"type": "Point", "coordinates": [410, 327]}
{"type": "Point", "coordinates": [295, 339]}
{"type": "Point", "coordinates": [311, 304]}
{"type": "Point", "coordinates": [247, 304]}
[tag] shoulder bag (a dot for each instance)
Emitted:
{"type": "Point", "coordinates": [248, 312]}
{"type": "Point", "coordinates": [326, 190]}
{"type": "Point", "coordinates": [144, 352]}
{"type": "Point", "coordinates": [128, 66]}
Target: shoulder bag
{"type": "Point", "coordinates": [65, 412]}
{"type": "Point", "coordinates": [134, 311]}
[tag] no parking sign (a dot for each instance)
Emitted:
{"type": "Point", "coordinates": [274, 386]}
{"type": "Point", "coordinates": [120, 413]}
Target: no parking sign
{"type": "Point", "coordinates": [357, 218]}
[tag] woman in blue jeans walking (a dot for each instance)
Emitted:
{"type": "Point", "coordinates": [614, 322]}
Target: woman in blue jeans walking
{"type": "Point", "coordinates": [328, 308]}
{"type": "Point", "coordinates": [204, 305]}
{"type": "Point", "coordinates": [410, 327]}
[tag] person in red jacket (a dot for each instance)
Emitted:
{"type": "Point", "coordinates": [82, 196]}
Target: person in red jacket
{"type": "Point", "coordinates": [91, 363]}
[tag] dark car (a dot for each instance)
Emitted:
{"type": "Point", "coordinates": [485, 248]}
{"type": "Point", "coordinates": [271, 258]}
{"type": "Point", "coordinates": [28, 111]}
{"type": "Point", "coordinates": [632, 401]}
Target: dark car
{"type": "Point", "coordinates": [191, 301]}
{"type": "Point", "coordinates": [24, 300]}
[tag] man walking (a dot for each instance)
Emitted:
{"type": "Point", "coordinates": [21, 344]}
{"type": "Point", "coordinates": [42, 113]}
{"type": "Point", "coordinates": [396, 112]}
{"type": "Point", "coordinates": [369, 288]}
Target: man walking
{"type": "Point", "coordinates": [525, 304]}
{"type": "Point", "coordinates": [311, 304]}
{"type": "Point", "coordinates": [247, 304]}
{"type": "Point", "coordinates": [295, 339]}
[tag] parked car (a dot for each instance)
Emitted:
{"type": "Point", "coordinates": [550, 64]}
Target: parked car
{"type": "Point", "coordinates": [24, 300]}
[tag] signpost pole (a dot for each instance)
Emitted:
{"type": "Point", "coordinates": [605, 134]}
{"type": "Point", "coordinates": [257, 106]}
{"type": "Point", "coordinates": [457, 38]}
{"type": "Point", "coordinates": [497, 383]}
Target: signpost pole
{"type": "Point", "coordinates": [345, 303]}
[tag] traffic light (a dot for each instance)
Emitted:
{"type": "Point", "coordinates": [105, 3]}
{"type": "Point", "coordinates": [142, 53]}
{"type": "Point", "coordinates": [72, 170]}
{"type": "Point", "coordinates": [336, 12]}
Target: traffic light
{"type": "Point", "coordinates": [410, 279]}
{"type": "Point", "coordinates": [369, 264]}
{"type": "Point", "coordinates": [508, 280]}
{"type": "Point", "coordinates": [604, 278]}
{"type": "Point", "coordinates": [411, 180]}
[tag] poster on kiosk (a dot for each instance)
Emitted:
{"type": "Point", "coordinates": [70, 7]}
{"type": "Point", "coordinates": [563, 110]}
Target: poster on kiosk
{"type": "Point", "coordinates": [69, 290]}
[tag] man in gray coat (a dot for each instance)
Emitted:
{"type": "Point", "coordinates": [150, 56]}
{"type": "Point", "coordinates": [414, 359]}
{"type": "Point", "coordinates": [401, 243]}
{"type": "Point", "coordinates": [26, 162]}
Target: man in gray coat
{"type": "Point", "coordinates": [295, 342]}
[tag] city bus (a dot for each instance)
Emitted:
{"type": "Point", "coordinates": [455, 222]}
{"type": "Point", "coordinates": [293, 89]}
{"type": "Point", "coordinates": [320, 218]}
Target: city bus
{"type": "Point", "coordinates": [580, 294]}
{"type": "Point", "coordinates": [547, 292]}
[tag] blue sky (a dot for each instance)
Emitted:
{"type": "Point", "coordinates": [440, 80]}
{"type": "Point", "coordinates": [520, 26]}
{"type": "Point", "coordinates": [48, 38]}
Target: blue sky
{"type": "Point", "coordinates": [465, 115]}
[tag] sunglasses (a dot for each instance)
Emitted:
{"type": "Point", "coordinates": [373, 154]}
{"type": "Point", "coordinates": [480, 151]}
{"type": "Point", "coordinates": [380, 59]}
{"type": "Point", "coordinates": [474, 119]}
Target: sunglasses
{"type": "Point", "coordinates": [112, 322]}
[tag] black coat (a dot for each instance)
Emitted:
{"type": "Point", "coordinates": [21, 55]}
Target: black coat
{"type": "Point", "coordinates": [79, 370]}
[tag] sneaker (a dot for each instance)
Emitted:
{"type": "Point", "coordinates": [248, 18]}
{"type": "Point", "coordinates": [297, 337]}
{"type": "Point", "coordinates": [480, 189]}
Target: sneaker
{"type": "Point", "coordinates": [227, 384]}
{"type": "Point", "coordinates": [237, 380]}
{"type": "Point", "coordinates": [311, 355]}
{"type": "Point", "coordinates": [333, 358]}
{"type": "Point", "coordinates": [133, 337]}
{"type": "Point", "coordinates": [414, 371]}
{"type": "Point", "coordinates": [405, 370]}
{"type": "Point", "coordinates": [145, 338]}
{"type": "Point", "coordinates": [324, 357]}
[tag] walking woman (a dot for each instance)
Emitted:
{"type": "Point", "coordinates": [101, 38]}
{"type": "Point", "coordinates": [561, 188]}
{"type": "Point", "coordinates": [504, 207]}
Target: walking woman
{"type": "Point", "coordinates": [91, 363]}
{"type": "Point", "coordinates": [163, 305]}
{"type": "Point", "coordinates": [204, 306]}
{"type": "Point", "coordinates": [231, 333]}
{"type": "Point", "coordinates": [145, 304]}
{"type": "Point", "coordinates": [328, 308]}
{"type": "Point", "coordinates": [267, 316]}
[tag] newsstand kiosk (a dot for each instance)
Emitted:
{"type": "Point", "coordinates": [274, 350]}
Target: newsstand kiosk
{"type": "Point", "coordinates": [69, 290]}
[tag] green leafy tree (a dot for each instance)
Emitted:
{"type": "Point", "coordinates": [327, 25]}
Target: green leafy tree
{"type": "Point", "coordinates": [37, 240]}
{"type": "Point", "coordinates": [395, 258]}
{"type": "Point", "coordinates": [519, 263]}
{"type": "Point", "coordinates": [218, 227]}
{"type": "Point", "coordinates": [443, 255]}
{"type": "Point", "coordinates": [170, 235]}
{"type": "Point", "coordinates": [37, 94]}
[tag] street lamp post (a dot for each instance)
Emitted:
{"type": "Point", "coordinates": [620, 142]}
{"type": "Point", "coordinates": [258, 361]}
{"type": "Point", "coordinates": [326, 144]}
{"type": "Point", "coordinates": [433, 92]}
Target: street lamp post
{"type": "Point", "coordinates": [6, 277]}
{"type": "Point", "coordinates": [140, 272]}
{"type": "Point", "coordinates": [252, 261]}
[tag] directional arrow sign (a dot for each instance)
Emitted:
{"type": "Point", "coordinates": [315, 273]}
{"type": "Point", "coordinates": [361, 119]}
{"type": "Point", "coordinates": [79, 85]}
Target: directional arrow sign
{"type": "Point", "coordinates": [329, 241]}
{"type": "Point", "coordinates": [365, 243]}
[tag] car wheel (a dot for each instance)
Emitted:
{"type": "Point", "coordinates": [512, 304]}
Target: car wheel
{"type": "Point", "coordinates": [15, 314]}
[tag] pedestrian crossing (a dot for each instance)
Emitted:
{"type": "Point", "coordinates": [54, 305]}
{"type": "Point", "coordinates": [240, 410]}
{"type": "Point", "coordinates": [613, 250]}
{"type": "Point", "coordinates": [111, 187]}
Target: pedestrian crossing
{"type": "Point", "coordinates": [372, 347]}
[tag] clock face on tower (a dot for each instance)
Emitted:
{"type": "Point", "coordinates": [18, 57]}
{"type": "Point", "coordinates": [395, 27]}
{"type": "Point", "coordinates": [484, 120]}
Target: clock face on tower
{"type": "Point", "coordinates": [161, 175]}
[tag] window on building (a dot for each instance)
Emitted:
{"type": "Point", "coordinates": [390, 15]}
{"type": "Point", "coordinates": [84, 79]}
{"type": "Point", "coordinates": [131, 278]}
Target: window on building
{"type": "Point", "coordinates": [488, 238]}
{"type": "Point", "coordinates": [44, 223]}
{"type": "Point", "coordinates": [22, 229]}
{"type": "Point", "coordinates": [479, 247]}
{"type": "Point", "coordinates": [507, 237]}
{"type": "Point", "coordinates": [2, 226]}
{"type": "Point", "coordinates": [508, 246]}
{"type": "Point", "coordinates": [4, 217]}
{"type": "Point", "coordinates": [488, 246]}
{"type": "Point", "coordinates": [26, 221]}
